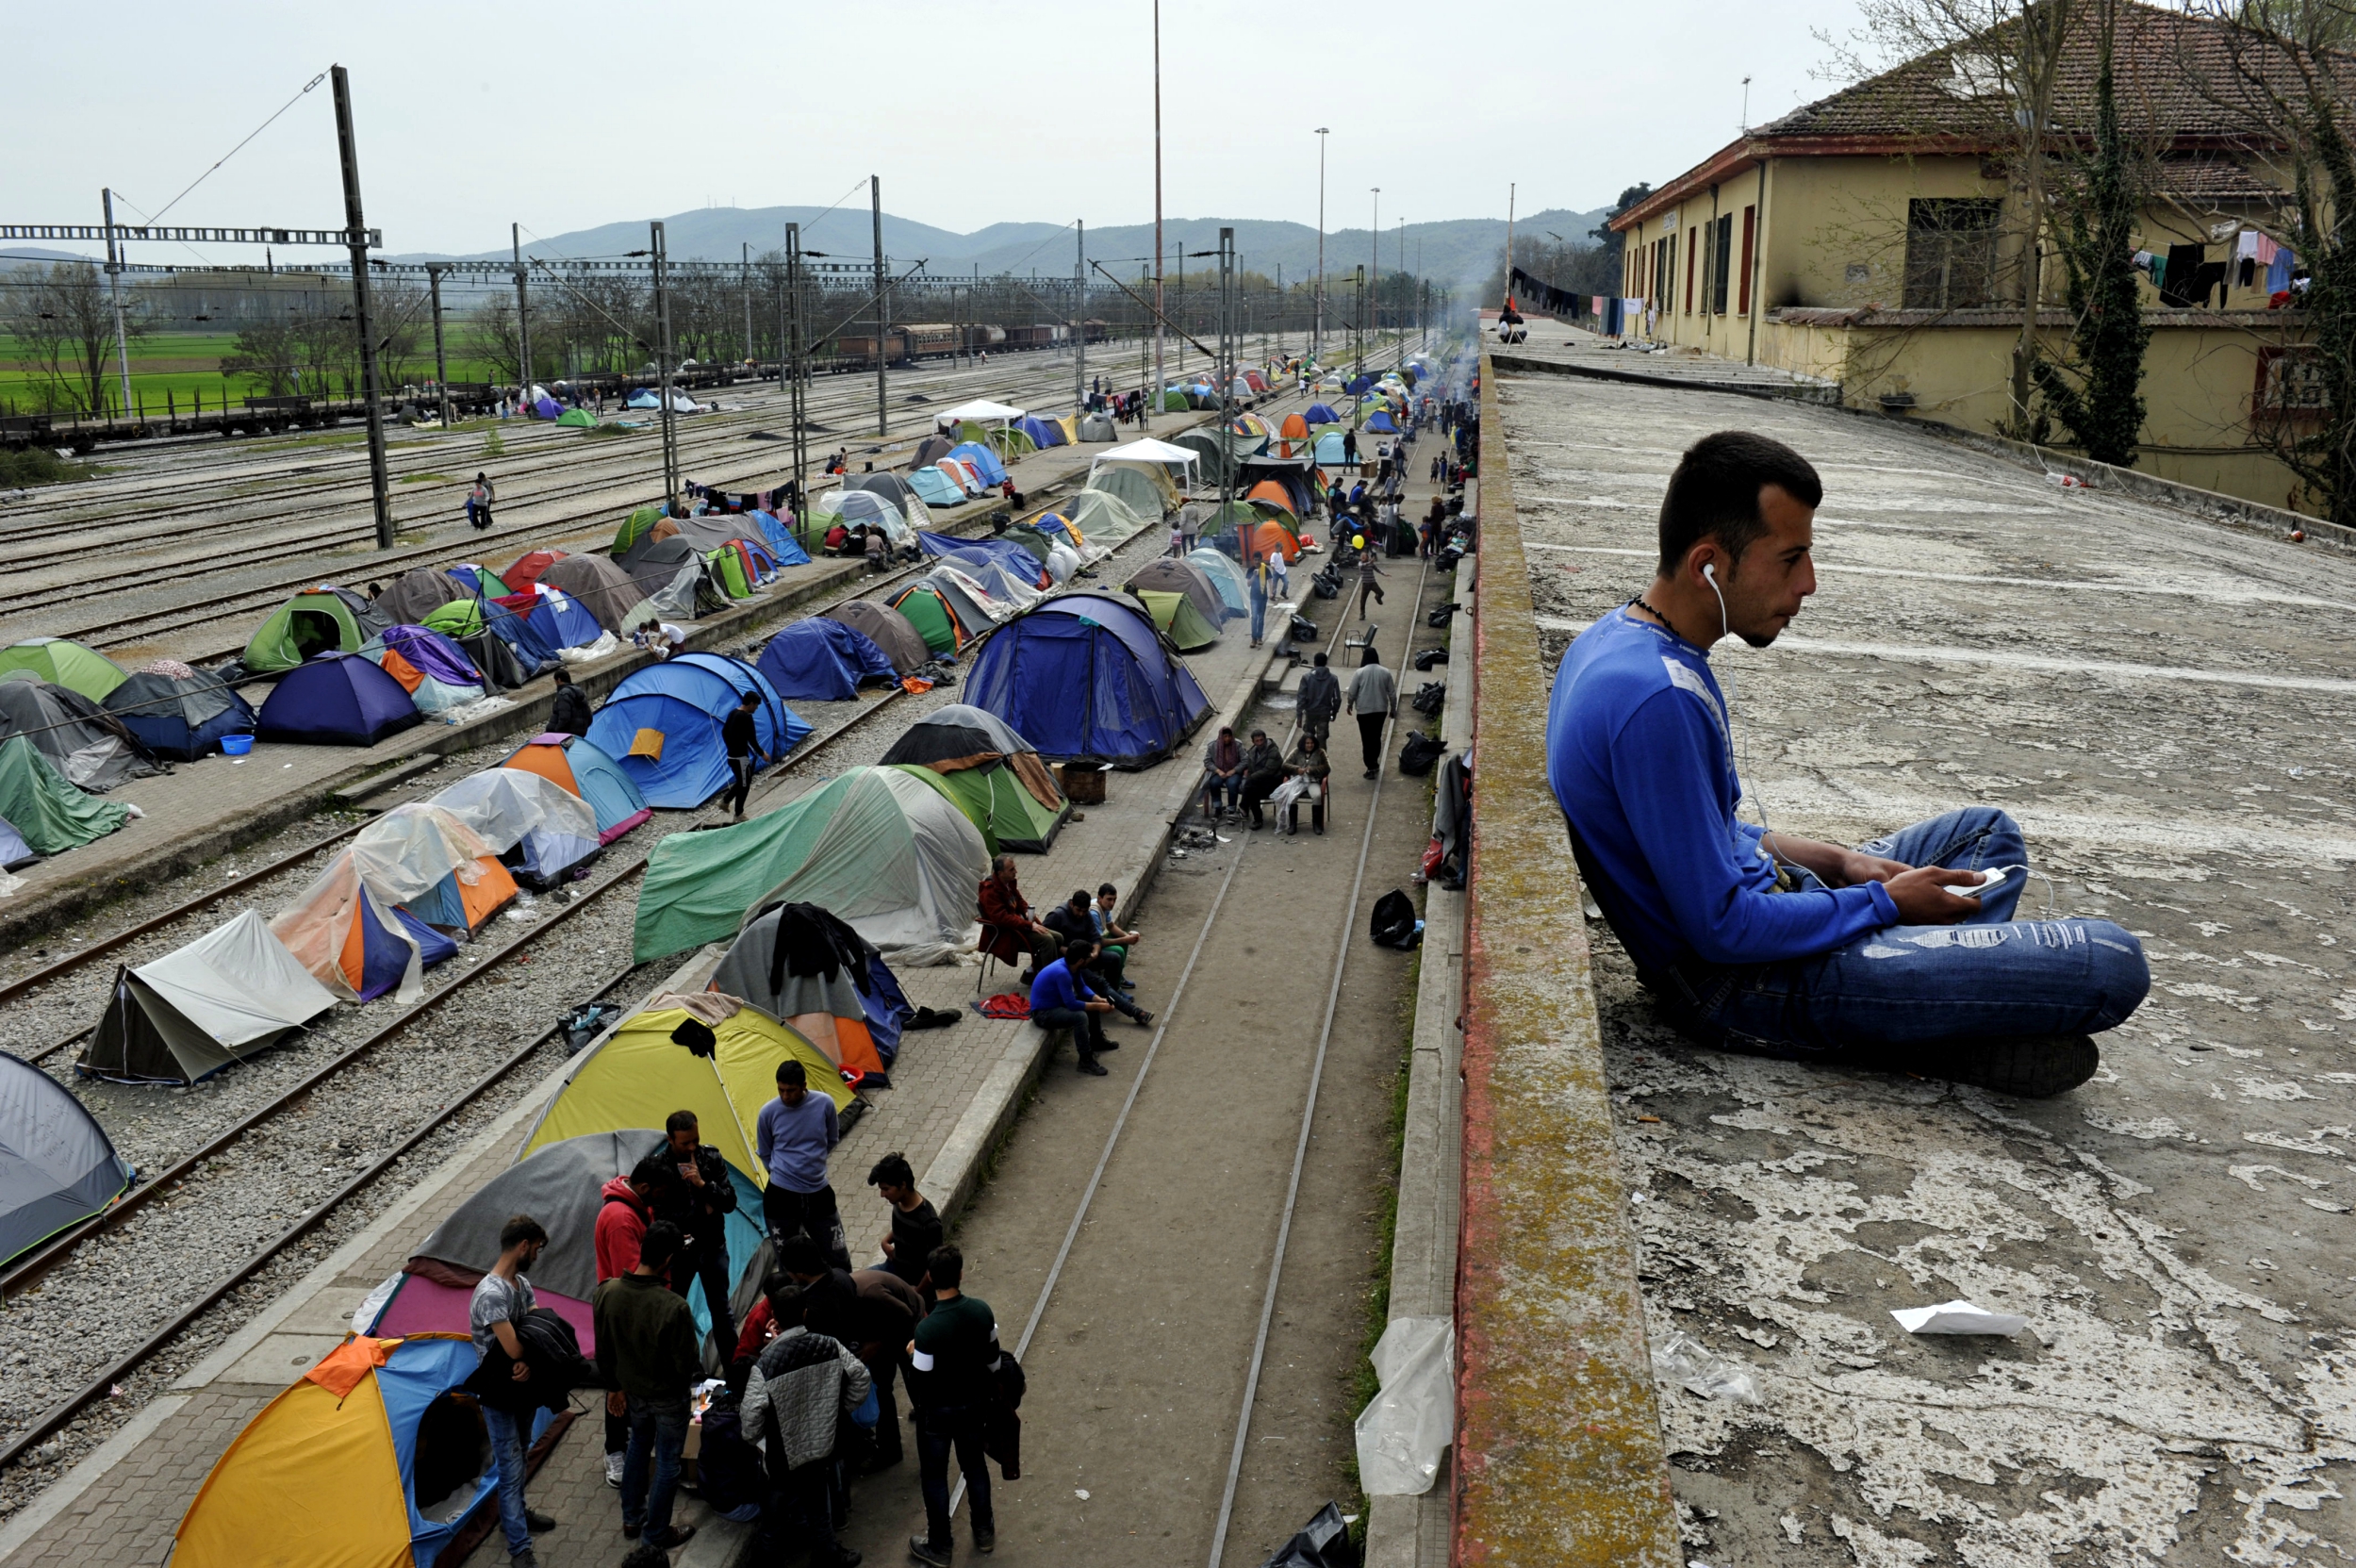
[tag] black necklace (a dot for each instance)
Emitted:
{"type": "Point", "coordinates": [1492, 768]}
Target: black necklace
{"type": "Point", "coordinates": [1639, 603]}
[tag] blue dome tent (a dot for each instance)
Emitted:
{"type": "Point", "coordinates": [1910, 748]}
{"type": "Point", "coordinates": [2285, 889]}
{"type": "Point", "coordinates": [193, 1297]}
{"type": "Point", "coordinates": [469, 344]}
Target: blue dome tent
{"type": "Point", "coordinates": [985, 462]}
{"type": "Point", "coordinates": [1019, 563]}
{"type": "Point", "coordinates": [336, 699]}
{"type": "Point", "coordinates": [663, 725]}
{"type": "Point", "coordinates": [822, 661]}
{"type": "Point", "coordinates": [1086, 675]}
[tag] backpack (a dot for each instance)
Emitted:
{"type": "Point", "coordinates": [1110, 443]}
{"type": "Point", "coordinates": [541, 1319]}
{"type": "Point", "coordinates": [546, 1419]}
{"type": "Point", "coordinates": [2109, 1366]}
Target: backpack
{"type": "Point", "coordinates": [1393, 923]}
{"type": "Point", "coordinates": [1420, 752]}
{"type": "Point", "coordinates": [1429, 697]}
{"type": "Point", "coordinates": [728, 1466]}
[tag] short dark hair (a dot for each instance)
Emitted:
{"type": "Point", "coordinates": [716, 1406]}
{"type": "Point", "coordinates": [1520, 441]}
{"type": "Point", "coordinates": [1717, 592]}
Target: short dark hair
{"type": "Point", "coordinates": [947, 1265]}
{"type": "Point", "coordinates": [791, 1071]}
{"type": "Point", "coordinates": [523, 1228]}
{"type": "Point", "coordinates": [892, 1170]}
{"type": "Point", "coordinates": [1714, 492]}
{"type": "Point", "coordinates": [1080, 947]}
{"type": "Point", "coordinates": [1104, 887]}
{"type": "Point", "coordinates": [800, 1255]}
{"type": "Point", "coordinates": [563, 679]}
{"type": "Point", "coordinates": [785, 1304]}
{"type": "Point", "coordinates": [660, 1244]}
{"type": "Point", "coordinates": [1319, 661]}
{"type": "Point", "coordinates": [750, 699]}
{"type": "Point", "coordinates": [1079, 896]}
{"type": "Point", "coordinates": [681, 1121]}
{"type": "Point", "coordinates": [658, 1170]}
{"type": "Point", "coordinates": [1370, 656]}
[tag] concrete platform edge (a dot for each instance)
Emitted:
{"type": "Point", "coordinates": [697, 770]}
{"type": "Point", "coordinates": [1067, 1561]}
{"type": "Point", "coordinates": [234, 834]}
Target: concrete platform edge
{"type": "Point", "coordinates": [1558, 1458]}
{"type": "Point", "coordinates": [1414, 1532]}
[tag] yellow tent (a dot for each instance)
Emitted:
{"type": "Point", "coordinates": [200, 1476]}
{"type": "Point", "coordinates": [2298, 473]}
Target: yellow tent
{"type": "Point", "coordinates": [1156, 474]}
{"type": "Point", "coordinates": [640, 1075]}
{"type": "Point", "coordinates": [326, 1476]}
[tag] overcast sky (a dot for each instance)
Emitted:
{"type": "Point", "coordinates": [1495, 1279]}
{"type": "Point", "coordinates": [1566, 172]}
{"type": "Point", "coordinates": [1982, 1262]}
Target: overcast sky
{"type": "Point", "coordinates": [564, 116]}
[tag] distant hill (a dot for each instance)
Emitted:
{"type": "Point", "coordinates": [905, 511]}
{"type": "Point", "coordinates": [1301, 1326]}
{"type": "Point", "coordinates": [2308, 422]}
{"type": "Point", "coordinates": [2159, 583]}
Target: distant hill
{"type": "Point", "coordinates": [1452, 251]}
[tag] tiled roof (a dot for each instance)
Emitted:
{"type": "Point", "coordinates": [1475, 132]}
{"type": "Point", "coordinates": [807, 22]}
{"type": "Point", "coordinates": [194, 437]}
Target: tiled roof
{"type": "Point", "coordinates": [2171, 71]}
{"type": "Point", "coordinates": [2214, 179]}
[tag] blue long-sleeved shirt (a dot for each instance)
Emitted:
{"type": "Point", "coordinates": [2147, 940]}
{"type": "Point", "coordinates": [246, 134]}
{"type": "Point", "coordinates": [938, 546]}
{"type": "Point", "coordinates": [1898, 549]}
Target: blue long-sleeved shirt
{"type": "Point", "coordinates": [1055, 987]}
{"type": "Point", "coordinates": [794, 1141]}
{"type": "Point", "coordinates": [1637, 755]}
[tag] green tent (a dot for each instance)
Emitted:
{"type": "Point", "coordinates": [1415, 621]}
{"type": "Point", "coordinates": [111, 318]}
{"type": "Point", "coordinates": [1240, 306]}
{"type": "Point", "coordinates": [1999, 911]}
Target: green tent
{"type": "Point", "coordinates": [576, 419]}
{"type": "Point", "coordinates": [636, 526]}
{"type": "Point", "coordinates": [1180, 621]}
{"type": "Point", "coordinates": [67, 664]}
{"type": "Point", "coordinates": [1221, 519]}
{"type": "Point", "coordinates": [730, 568]}
{"type": "Point", "coordinates": [1128, 486]}
{"type": "Point", "coordinates": [317, 621]}
{"type": "Point", "coordinates": [460, 617]}
{"type": "Point", "coordinates": [1032, 541]}
{"type": "Point", "coordinates": [995, 800]}
{"type": "Point", "coordinates": [50, 814]}
{"type": "Point", "coordinates": [897, 860]}
{"type": "Point", "coordinates": [929, 613]}
{"type": "Point", "coordinates": [1174, 402]}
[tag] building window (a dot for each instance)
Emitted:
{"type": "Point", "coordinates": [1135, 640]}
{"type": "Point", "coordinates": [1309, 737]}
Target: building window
{"type": "Point", "coordinates": [1750, 224]}
{"type": "Point", "coordinates": [1722, 264]}
{"type": "Point", "coordinates": [1950, 251]}
{"type": "Point", "coordinates": [2291, 384]}
{"type": "Point", "coordinates": [1692, 259]}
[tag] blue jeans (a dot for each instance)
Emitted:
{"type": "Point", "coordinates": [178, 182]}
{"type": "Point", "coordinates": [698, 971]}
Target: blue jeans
{"type": "Point", "coordinates": [1991, 977]}
{"type": "Point", "coordinates": [506, 1436]}
{"type": "Point", "coordinates": [1260, 605]}
{"type": "Point", "coordinates": [1232, 786]}
{"type": "Point", "coordinates": [658, 1434]}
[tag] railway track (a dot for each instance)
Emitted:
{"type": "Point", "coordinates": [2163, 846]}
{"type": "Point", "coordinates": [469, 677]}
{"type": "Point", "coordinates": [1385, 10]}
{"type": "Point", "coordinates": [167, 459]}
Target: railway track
{"type": "Point", "coordinates": [107, 581]}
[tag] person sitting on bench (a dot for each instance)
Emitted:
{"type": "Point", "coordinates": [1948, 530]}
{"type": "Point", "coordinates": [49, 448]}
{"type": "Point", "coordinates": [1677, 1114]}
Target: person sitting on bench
{"type": "Point", "coordinates": [1309, 762]}
{"type": "Point", "coordinates": [1757, 940]}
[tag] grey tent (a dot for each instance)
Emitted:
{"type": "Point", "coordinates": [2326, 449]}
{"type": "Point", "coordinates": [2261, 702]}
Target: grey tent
{"type": "Point", "coordinates": [746, 968]}
{"type": "Point", "coordinates": [713, 529]}
{"type": "Point", "coordinates": [1131, 488]}
{"type": "Point", "coordinates": [891, 486]}
{"type": "Point", "coordinates": [1220, 452]}
{"type": "Point", "coordinates": [561, 1186]}
{"type": "Point", "coordinates": [1097, 427]}
{"type": "Point", "coordinates": [931, 450]}
{"type": "Point", "coordinates": [976, 610]}
{"type": "Point", "coordinates": [179, 716]}
{"type": "Point", "coordinates": [88, 744]}
{"type": "Point", "coordinates": [605, 590]}
{"type": "Point", "coordinates": [56, 1167]}
{"type": "Point", "coordinates": [887, 629]}
{"type": "Point", "coordinates": [226, 996]}
{"type": "Point", "coordinates": [652, 563]}
{"type": "Point", "coordinates": [414, 595]}
{"type": "Point", "coordinates": [1168, 575]}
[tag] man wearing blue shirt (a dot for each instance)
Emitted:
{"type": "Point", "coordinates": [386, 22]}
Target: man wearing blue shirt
{"type": "Point", "coordinates": [1754, 939]}
{"type": "Point", "coordinates": [794, 1136]}
{"type": "Point", "coordinates": [1059, 999]}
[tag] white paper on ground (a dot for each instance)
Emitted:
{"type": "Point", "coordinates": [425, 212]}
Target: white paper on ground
{"type": "Point", "coordinates": [1957, 1318]}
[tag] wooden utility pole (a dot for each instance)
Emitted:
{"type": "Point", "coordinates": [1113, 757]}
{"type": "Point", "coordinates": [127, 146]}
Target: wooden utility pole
{"type": "Point", "coordinates": [662, 365]}
{"type": "Point", "coordinates": [441, 359]}
{"type": "Point", "coordinates": [523, 320]}
{"type": "Point", "coordinates": [356, 228]}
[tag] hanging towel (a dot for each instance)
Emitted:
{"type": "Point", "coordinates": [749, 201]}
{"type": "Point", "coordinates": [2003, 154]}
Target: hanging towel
{"type": "Point", "coordinates": [2246, 248]}
{"type": "Point", "coordinates": [2279, 269]}
{"type": "Point", "coordinates": [2262, 252]}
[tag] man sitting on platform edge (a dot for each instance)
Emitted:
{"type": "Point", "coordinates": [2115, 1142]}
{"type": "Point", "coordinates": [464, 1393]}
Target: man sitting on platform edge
{"type": "Point", "coordinates": [1752, 939]}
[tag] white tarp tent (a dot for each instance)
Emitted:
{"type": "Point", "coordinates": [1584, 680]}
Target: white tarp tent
{"type": "Point", "coordinates": [508, 807]}
{"type": "Point", "coordinates": [225, 996]}
{"type": "Point", "coordinates": [978, 410]}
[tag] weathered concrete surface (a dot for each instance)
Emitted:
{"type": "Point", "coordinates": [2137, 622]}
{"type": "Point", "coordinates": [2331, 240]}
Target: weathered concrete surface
{"type": "Point", "coordinates": [1559, 1449]}
{"type": "Point", "coordinates": [2166, 707]}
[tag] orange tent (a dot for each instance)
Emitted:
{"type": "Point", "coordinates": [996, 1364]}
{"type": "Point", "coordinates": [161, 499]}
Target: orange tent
{"type": "Point", "coordinates": [1273, 493]}
{"type": "Point", "coordinates": [1294, 428]}
{"type": "Point", "coordinates": [1269, 538]}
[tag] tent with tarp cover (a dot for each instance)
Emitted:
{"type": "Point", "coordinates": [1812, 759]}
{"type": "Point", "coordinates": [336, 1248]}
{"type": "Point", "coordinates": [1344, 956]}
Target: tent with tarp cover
{"type": "Point", "coordinates": [889, 854]}
{"type": "Point", "coordinates": [994, 775]}
{"type": "Point", "coordinates": [802, 967]}
{"type": "Point", "coordinates": [575, 765]}
{"type": "Point", "coordinates": [89, 745]}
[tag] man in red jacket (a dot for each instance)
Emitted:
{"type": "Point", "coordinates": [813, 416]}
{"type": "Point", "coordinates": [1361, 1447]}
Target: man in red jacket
{"type": "Point", "coordinates": [621, 1222]}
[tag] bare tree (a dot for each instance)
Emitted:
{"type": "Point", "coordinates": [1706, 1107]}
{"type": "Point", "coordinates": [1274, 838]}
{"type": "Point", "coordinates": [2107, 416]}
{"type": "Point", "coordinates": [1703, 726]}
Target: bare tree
{"type": "Point", "coordinates": [66, 319]}
{"type": "Point", "coordinates": [2281, 69]}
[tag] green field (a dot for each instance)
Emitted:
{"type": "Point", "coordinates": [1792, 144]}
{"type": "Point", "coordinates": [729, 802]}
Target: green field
{"type": "Point", "coordinates": [185, 366]}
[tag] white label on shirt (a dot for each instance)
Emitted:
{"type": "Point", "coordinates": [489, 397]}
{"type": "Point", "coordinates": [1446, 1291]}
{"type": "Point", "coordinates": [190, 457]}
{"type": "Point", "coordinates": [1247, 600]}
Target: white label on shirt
{"type": "Point", "coordinates": [1686, 676]}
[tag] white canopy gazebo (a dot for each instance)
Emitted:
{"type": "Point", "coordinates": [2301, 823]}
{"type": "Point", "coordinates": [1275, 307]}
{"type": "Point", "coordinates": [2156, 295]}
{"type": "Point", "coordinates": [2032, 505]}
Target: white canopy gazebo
{"type": "Point", "coordinates": [979, 411]}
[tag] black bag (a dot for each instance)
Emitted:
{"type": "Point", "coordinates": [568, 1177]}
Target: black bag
{"type": "Point", "coordinates": [1430, 697]}
{"type": "Point", "coordinates": [1393, 921]}
{"type": "Point", "coordinates": [1322, 1543]}
{"type": "Point", "coordinates": [727, 1465]}
{"type": "Point", "coordinates": [1431, 657]}
{"type": "Point", "coordinates": [1417, 755]}
{"type": "Point", "coordinates": [1328, 583]}
{"type": "Point", "coordinates": [1439, 617]}
{"type": "Point", "coordinates": [585, 1023]}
